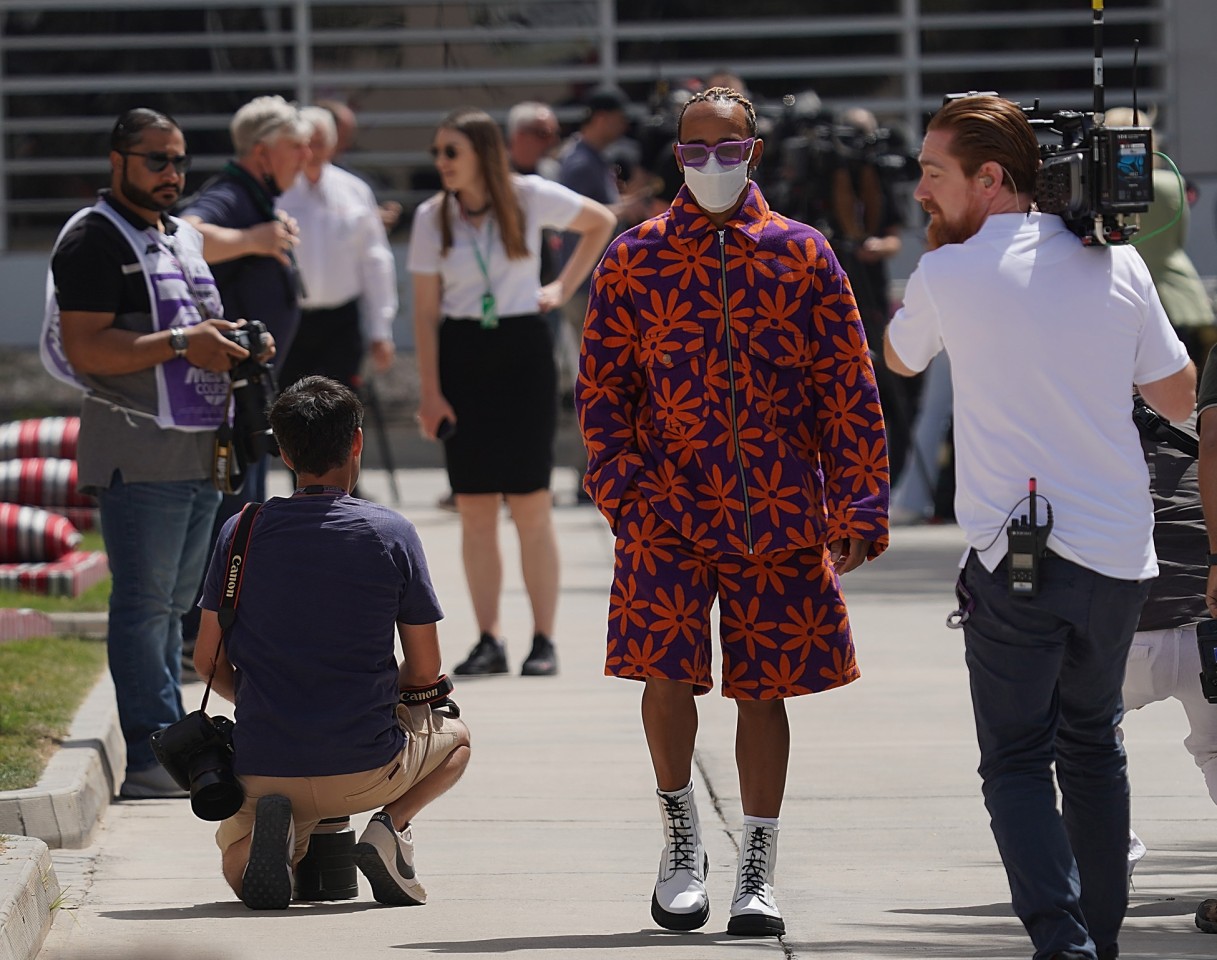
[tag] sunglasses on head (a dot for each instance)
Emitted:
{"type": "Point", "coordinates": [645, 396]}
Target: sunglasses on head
{"type": "Point", "coordinates": [730, 153]}
{"type": "Point", "coordinates": [448, 150]}
{"type": "Point", "coordinates": [156, 161]}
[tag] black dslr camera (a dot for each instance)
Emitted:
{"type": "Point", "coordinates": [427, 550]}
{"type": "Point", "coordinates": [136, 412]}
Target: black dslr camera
{"type": "Point", "coordinates": [253, 391]}
{"type": "Point", "coordinates": [197, 751]}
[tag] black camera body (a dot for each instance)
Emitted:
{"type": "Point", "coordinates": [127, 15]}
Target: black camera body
{"type": "Point", "coordinates": [1206, 641]}
{"type": "Point", "coordinates": [1096, 177]}
{"type": "Point", "coordinates": [198, 752]}
{"type": "Point", "coordinates": [253, 391]}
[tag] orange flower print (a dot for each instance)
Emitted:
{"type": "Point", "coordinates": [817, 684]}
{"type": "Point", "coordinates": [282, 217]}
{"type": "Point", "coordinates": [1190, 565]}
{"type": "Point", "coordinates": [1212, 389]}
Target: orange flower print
{"type": "Point", "coordinates": [769, 570]}
{"type": "Point", "coordinates": [688, 259]}
{"type": "Point", "coordinates": [852, 356]}
{"type": "Point", "coordinates": [839, 415]}
{"type": "Point", "coordinates": [868, 465]}
{"type": "Point", "coordinates": [625, 607]}
{"type": "Point", "coordinates": [696, 669]}
{"type": "Point", "coordinates": [717, 383]}
{"type": "Point", "coordinates": [612, 658]}
{"type": "Point", "coordinates": [751, 259]}
{"type": "Point", "coordinates": [812, 625]}
{"type": "Point", "coordinates": [683, 440]}
{"type": "Point", "coordinates": [599, 383]}
{"type": "Point", "coordinates": [803, 266]}
{"type": "Point", "coordinates": [665, 316]}
{"type": "Point", "coordinates": [718, 499]}
{"type": "Point", "coordinates": [641, 661]}
{"type": "Point", "coordinates": [620, 334]}
{"type": "Point", "coordinates": [843, 670]}
{"type": "Point", "coordinates": [776, 311]}
{"type": "Point", "coordinates": [673, 617]}
{"type": "Point", "coordinates": [781, 681]}
{"type": "Point", "coordinates": [740, 626]}
{"type": "Point", "coordinates": [769, 494]}
{"type": "Point", "coordinates": [621, 274]}
{"type": "Point", "coordinates": [679, 403]}
{"type": "Point", "coordinates": [649, 542]}
{"type": "Point", "coordinates": [734, 684]}
{"type": "Point", "coordinates": [665, 484]}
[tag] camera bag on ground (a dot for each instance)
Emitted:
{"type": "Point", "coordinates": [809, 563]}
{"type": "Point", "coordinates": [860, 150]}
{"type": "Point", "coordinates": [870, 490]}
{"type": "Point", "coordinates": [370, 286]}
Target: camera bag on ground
{"type": "Point", "coordinates": [197, 750]}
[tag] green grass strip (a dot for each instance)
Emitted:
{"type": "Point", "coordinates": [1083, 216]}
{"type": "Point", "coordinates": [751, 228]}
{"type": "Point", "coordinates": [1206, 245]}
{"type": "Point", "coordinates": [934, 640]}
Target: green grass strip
{"type": "Point", "coordinates": [42, 683]}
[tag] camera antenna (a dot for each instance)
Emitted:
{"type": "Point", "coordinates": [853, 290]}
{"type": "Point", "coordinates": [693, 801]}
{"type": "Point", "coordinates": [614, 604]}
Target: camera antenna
{"type": "Point", "coordinates": [1136, 53]}
{"type": "Point", "coordinates": [1097, 6]}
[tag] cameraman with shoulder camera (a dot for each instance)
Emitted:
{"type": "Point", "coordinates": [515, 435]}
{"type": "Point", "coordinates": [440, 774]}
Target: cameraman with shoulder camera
{"type": "Point", "coordinates": [327, 724]}
{"type": "Point", "coordinates": [136, 323]}
{"type": "Point", "coordinates": [1046, 339]}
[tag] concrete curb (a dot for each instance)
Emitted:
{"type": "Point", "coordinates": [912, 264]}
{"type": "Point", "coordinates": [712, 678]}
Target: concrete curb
{"type": "Point", "coordinates": [28, 887]}
{"type": "Point", "coordinates": [61, 810]}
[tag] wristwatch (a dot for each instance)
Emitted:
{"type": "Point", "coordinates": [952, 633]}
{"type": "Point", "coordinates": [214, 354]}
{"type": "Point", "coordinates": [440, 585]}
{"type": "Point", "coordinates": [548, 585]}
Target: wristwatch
{"type": "Point", "coordinates": [177, 341]}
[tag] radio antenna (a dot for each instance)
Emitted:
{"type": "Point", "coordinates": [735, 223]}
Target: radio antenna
{"type": "Point", "coordinates": [1097, 5]}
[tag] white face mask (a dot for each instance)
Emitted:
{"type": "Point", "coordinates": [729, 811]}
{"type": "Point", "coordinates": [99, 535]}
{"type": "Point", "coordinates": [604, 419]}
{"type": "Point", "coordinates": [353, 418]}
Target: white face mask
{"type": "Point", "coordinates": [715, 187]}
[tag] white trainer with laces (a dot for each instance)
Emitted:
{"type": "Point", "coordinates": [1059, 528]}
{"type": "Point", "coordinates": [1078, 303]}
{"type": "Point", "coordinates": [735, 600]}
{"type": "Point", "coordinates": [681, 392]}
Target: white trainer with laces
{"type": "Point", "coordinates": [754, 913]}
{"type": "Point", "coordinates": [386, 857]}
{"type": "Point", "coordinates": [680, 901]}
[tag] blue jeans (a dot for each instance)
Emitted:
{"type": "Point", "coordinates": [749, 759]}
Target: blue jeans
{"type": "Point", "coordinates": [157, 538]}
{"type": "Point", "coordinates": [1046, 675]}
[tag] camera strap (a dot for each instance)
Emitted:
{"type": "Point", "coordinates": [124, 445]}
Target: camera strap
{"type": "Point", "coordinates": [227, 463]}
{"type": "Point", "coordinates": [234, 573]}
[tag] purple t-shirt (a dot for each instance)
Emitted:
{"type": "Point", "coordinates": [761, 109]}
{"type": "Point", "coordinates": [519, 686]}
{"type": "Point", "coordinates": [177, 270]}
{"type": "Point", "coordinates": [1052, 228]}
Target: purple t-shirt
{"type": "Point", "coordinates": [327, 579]}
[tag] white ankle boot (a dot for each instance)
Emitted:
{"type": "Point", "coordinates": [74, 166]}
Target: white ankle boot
{"type": "Point", "coordinates": [753, 910]}
{"type": "Point", "coordinates": [680, 901]}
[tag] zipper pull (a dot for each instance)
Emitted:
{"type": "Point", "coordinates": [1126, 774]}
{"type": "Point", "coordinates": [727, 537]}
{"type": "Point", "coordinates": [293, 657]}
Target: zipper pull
{"type": "Point", "coordinates": [722, 237]}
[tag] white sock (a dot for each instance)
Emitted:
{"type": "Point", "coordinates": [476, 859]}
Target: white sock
{"type": "Point", "coordinates": [682, 792]}
{"type": "Point", "coordinates": [750, 821]}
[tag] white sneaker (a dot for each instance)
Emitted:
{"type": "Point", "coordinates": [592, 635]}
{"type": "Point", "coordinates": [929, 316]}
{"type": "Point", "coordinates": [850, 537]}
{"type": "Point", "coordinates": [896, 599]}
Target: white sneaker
{"type": "Point", "coordinates": [753, 910]}
{"type": "Point", "coordinates": [680, 901]}
{"type": "Point", "coordinates": [386, 857]}
{"type": "Point", "coordinates": [267, 881]}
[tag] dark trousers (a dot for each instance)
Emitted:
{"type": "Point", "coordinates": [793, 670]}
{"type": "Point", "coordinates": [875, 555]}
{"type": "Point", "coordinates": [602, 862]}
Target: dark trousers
{"type": "Point", "coordinates": [1046, 675]}
{"type": "Point", "coordinates": [328, 344]}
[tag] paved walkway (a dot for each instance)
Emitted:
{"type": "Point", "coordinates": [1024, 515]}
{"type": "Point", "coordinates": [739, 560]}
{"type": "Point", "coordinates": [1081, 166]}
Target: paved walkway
{"type": "Point", "coordinates": [548, 846]}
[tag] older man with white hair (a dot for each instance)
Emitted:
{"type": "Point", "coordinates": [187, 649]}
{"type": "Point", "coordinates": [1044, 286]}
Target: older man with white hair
{"type": "Point", "coordinates": [350, 279]}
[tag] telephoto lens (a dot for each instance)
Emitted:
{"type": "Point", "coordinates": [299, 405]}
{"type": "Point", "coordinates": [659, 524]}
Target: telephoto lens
{"type": "Point", "coordinates": [327, 871]}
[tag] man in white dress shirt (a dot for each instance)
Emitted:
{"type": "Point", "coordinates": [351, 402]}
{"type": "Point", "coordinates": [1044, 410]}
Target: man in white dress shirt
{"type": "Point", "coordinates": [346, 265]}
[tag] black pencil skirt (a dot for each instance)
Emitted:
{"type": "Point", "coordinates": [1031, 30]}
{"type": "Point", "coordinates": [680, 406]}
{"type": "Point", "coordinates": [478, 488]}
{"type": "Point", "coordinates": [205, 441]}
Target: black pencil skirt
{"type": "Point", "coordinates": [502, 383]}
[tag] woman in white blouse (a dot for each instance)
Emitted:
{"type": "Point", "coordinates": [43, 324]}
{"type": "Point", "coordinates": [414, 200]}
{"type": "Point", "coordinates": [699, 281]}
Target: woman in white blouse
{"type": "Point", "coordinates": [486, 363]}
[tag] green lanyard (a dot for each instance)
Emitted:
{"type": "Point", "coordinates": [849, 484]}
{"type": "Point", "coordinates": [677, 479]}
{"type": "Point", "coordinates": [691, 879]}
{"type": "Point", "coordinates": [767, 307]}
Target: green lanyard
{"type": "Point", "coordinates": [490, 316]}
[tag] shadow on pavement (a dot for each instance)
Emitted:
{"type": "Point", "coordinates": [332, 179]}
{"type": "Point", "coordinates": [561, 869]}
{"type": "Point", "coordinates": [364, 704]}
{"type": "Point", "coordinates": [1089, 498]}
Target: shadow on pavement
{"type": "Point", "coordinates": [598, 941]}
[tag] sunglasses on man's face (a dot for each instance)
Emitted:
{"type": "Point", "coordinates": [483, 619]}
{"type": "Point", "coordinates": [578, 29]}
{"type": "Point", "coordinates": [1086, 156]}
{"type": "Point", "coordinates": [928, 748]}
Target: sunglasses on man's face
{"type": "Point", "coordinates": [156, 161]}
{"type": "Point", "coordinates": [730, 153]}
{"type": "Point", "coordinates": [448, 150]}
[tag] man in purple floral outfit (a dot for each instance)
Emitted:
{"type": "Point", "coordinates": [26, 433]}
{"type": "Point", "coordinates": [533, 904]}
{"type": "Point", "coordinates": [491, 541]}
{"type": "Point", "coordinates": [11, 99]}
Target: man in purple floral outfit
{"type": "Point", "coordinates": [736, 446]}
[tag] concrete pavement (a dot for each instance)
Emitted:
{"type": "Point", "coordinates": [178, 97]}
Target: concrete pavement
{"type": "Point", "coordinates": [547, 848]}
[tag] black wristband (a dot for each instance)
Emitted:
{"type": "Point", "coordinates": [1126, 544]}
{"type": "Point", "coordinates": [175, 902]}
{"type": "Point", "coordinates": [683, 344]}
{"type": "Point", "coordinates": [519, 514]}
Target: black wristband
{"type": "Point", "coordinates": [1213, 559]}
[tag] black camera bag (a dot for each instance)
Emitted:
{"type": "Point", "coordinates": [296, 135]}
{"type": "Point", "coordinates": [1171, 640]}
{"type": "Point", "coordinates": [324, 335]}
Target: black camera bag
{"type": "Point", "coordinates": [197, 751]}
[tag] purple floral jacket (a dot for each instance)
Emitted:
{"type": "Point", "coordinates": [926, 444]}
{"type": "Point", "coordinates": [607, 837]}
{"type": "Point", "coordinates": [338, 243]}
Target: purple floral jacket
{"type": "Point", "coordinates": [724, 376]}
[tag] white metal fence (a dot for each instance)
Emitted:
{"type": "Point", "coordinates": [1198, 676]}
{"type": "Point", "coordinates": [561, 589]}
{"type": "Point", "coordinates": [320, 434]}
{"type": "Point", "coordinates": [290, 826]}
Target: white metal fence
{"type": "Point", "coordinates": [68, 67]}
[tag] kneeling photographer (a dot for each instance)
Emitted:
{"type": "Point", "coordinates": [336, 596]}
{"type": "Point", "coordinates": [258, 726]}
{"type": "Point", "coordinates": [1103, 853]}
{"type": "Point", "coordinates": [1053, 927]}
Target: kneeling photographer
{"type": "Point", "coordinates": [327, 724]}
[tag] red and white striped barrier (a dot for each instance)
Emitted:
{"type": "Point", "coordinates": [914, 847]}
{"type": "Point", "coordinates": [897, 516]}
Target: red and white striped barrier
{"type": "Point", "coordinates": [41, 482]}
{"type": "Point", "coordinates": [43, 437]}
{"type": "Point", "coordinates": [34, 535]}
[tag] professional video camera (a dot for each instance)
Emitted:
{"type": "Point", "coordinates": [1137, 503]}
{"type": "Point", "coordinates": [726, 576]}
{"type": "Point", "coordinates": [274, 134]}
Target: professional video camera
{"type": "Point", "coordinates": [1097, 177]}
{"type": "Point", "coordinates": [818, 148]}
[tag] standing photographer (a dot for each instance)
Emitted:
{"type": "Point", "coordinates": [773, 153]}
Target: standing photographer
{"type": "Point", "coordinates": [135, 321]}
{"type": "Point", "coordinates": [1046, 339]}
{"type": "Point", "coordinates": [327, 581]}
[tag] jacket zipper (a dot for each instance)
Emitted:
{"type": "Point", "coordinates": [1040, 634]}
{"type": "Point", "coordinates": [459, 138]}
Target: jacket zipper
{"type": "Point", "coordinates": [739, 453]}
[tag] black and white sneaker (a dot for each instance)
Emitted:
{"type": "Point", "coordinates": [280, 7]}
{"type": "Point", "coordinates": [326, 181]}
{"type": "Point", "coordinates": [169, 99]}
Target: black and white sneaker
{"type": "Point", "coordinates": [386, 857]}
{"type": "Point", "coordinates": [267, 883]}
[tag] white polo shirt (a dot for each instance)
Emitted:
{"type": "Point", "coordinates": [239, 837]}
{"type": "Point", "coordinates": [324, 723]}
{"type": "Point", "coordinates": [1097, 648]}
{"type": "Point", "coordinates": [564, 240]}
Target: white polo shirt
{"type": "Point", "coordinates": [1046, 339]}
{"type": "Point", "coordinates": [516, 284]}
